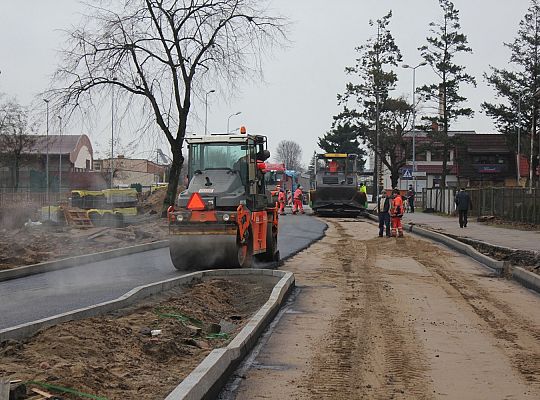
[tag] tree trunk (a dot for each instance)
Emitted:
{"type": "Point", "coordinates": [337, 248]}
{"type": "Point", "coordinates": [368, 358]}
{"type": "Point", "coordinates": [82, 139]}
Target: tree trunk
{"type": "Point", "coordinates": [16, 183]}
{"type": "Point", "coordinates": [174, 177]}
{"type": "Point", "coordinates": [394, 177]}
{"type": "Point", "coordinates": [444, 167]}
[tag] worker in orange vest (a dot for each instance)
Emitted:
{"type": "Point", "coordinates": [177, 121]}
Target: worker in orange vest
{"type": "Point", "coordinates": [396, 213]}
{"type": "Point", "coordinates": [298, 195]}
{"type": "Point", "coordinates": [281, 200]}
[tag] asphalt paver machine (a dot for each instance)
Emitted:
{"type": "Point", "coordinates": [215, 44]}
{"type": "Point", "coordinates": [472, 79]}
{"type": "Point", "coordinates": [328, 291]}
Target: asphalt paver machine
{"type": "Point", "coordinates": [226, 216]}
{"type": "Point", "coordinates": [336, 190]}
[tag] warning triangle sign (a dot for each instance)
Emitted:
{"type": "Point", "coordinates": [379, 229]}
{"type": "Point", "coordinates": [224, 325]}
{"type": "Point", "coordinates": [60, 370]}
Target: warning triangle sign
{"type": "Point", "coordinates": [407, 173]}
{"type": "Point", "coordinates": [196, 202]}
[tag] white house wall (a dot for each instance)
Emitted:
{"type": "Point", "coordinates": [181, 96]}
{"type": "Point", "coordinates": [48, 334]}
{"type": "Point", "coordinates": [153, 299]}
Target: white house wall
{"type": "Point", "coordinates": [83, 156]}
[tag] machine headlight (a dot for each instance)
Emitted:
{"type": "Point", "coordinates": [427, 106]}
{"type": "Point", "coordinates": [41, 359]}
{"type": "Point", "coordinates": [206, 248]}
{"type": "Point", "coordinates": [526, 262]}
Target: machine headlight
{"type": "Point", "coordinates": [179, 217]}
{"type": "Point", "coordinates": [226, 217]}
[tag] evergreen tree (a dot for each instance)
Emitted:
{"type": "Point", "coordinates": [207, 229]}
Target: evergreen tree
{"type": "Point", "coordinates": [516, 86]}
{"type": "Point", "coordinates": [343, 138]}
{"type": "Point", "coordinates": [311, 167]}
{"type": "Point", "coordinates": [446, 42]}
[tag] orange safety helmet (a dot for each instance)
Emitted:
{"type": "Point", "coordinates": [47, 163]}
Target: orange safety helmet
{"type": "Point", "coordinates": [243, 130]}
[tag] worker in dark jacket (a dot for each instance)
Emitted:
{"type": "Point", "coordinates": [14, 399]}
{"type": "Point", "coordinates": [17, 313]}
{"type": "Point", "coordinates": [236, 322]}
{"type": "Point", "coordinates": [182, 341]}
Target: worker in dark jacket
{"type": "Point", "coordinates": [383, 210]}
{"type": "Point", "coordinates": [463, 205]}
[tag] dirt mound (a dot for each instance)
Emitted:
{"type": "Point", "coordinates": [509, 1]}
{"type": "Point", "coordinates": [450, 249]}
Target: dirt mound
{"type": "Point", "coordinates": [154, 202]}
{"type": "Point", "coordinates": [118, 357]}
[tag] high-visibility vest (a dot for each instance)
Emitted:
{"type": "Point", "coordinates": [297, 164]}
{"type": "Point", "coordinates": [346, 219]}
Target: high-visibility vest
{"type": "Point", "coordinates": [397, 206]}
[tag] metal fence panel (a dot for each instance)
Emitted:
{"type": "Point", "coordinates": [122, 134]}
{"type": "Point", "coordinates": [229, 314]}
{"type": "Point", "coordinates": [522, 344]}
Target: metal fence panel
{"type": "Point", "coordinates": [512, 204]}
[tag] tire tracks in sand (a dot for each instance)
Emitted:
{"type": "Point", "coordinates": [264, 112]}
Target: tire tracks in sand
{"type": "Point", "coordinates": [369, 352]}
{"type": "Point", "coordinates": [514, 333]}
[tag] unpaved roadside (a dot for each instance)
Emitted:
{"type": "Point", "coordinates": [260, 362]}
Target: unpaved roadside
{"type": "Point", "coordinates": [380, 318]}
{"type": "Point", "coordinates": [116, 356]}
{"type": "Point", "coordinates": [26, 246]}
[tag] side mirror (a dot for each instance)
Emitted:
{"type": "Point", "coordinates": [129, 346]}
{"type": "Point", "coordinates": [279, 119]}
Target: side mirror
{"type": "Point", "coordinates": [263, 155]}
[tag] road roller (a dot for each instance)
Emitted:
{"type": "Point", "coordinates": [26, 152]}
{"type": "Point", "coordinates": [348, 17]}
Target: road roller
{"type": "Point", "coordinates": [226, 217]}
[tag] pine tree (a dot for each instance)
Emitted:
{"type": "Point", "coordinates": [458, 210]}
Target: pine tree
{"type": "Point", "coordinates": [365, 102]}
{"type": "Point", "coordinates": [446, 42]}
{"type": "Point", "coordinates": [516, 86]}
{"type": "Point", "coordinates": [343, 138]}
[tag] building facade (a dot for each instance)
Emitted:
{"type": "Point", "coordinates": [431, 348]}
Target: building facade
{"type": "Point", "coordinates": [69, 156]}
{"type": "Point", "coordinates": [475, 160]}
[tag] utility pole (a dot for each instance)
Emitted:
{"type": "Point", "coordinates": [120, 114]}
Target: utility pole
{"type": "Point", "coordinates": [60, 159]}
{"type": "Point", "coordinates": [206, 111]}
{"type": "Point", "coordinates": [47, 159]}
{"type": "Point", "coordinates": [533, 132]}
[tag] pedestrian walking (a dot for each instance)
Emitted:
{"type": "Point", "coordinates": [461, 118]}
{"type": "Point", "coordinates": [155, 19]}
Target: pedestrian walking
{"type": "Point", "coordinates": [463, 205]}
{"type": "Point", "coordinates": [297, 201]}
{"type": "Point", "coordinates": [410, 198]}
{"type": "Point", "coordinates": [383, 210]}
{"type": "Point", "coordinates": [396, 213]}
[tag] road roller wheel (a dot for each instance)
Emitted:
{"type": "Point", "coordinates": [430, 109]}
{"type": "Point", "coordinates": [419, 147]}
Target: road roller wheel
{"type": "Point", "coordinates": [194, 252]}
{"type": "Point", "coordinates": [271, 245]}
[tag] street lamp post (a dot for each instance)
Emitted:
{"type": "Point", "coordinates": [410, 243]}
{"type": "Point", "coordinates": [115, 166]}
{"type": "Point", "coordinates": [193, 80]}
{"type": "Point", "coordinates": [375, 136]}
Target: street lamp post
{"type": "Point", "coordinates": [378, 164]}
{"type": "Point", "coordinates": [519, 138]}
{"type": "Point", "coordinates": [406, 66]}
{"type": "Point", "coordinates": [60, 159]}
{"type": "Point", "coordinates": [47, 153]}
{"type": "Point", "coordinates": [228, 119]}
{"type": "Point", "coordinates": [112, 134]}
{"type": "Point", "coordinates": [206, 111]}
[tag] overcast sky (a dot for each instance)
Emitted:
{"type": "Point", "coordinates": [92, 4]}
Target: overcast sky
{"type": "Point", "coordinates": [298, 98]}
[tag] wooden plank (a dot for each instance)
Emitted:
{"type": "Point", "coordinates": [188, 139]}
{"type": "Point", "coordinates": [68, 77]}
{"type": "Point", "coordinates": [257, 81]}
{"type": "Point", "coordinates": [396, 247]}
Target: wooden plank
{"type": "Point", "coordinates": [42, 393]}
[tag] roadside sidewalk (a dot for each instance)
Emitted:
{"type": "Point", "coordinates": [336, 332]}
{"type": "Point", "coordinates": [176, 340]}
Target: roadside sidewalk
{"type": "Point", "coordinates": [512, 238]}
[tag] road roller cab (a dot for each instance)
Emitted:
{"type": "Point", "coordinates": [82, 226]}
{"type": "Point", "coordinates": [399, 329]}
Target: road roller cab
{"type": "Point", "coordinates": [226, 216]}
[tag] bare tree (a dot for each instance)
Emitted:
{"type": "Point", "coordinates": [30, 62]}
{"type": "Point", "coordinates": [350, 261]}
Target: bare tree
{"type": "Point", "coordinates": [163, 53]}
{"type": "Point", "coordinates": [289, 153]}
{"type": "Point", "coordinates": [17, 138]}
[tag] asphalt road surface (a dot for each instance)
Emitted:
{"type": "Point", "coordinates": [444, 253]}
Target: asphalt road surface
{"type": "Point", "coordinates": [44, 295]}
{"type": "Point", "coordinates": [378, 318]}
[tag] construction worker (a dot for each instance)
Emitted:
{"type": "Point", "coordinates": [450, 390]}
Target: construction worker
{"type": "Point", "coordinates": [281, 200]}
{"type": "Point", "coordinates": [396, 213]}
{"type": "Point", "coordinates": [333, 166]}
{"type": "Point", "coordinates": [297, 201]}
{"type": "Point", "coordinates": [363, 189]}
{"type": "Point", "coordinates": [383, 211]}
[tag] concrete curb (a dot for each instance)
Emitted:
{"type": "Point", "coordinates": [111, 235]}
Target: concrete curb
{"type": "Point", "coordinates": [211, 374]}
{"type": "Point", "coordinates": [528, 279]}
{"type": "Point", "coordinates": [27, 329]}
{"type": "Point", "coordinates": [497, 266]}
{"type": "Point", "coordinates": [48, 266]}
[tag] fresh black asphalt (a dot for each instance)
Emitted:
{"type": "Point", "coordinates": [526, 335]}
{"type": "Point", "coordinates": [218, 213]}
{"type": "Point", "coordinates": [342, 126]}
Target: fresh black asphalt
{"type": "Point", "coordinates": [40, 296]}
